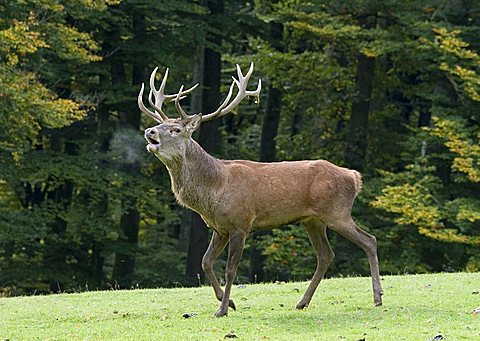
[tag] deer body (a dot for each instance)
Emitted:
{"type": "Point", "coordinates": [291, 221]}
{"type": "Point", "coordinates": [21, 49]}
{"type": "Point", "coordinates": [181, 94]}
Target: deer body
{"type": "Point", "coordinates": [235, 197]}
{"type": "Point", "coordinates": [263, 195]}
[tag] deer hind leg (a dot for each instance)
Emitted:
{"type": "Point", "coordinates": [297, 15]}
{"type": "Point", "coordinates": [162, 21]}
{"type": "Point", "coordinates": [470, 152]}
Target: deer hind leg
{"type": "Point", "coordinates": [318, 237]}
{"type": "Point", "coordinates": [215, 248]}
{"type": "Point", "coordinates": [235, 250]}
{"type": "Point", "coordinates": [368, 243]}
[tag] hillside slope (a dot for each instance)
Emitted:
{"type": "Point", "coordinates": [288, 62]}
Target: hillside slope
{"type": "Point", "coordinates": [416, 307]}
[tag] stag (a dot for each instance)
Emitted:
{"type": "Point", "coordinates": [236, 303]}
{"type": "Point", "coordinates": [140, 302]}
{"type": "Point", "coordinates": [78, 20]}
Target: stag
{"type": "Point", "coordinates": [236, 197]}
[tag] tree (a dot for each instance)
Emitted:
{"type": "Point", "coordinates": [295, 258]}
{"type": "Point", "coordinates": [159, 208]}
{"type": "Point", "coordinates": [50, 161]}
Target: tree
{"type": "Point", "coordinates": [82, 204]}
{"type": "Point", "coordinates": [434, 193]}
{"type": "Point", "coordinates": [358, 125]}
{"type": "Point", "coordinates": [31, 113]}
{"type": "Point", "coordinates": [404, 47]}
{"type": "Point", "coordinates": [270, 123]}
{"type": "Point", "coordinates": [209, 135]}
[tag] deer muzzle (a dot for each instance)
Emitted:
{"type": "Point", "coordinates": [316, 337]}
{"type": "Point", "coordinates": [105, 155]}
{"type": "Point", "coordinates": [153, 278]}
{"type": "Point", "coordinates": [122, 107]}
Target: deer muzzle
{"type": "Point", "coordinates": [152, 138]}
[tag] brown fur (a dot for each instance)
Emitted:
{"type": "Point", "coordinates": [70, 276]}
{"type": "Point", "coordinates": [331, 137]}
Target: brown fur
{"type": "Point", "coordinates": [235, 197]}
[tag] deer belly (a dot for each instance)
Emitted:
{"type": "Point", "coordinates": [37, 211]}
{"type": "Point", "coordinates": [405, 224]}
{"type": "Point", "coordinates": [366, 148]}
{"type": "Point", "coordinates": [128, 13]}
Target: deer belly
{"type": "Point", "coordinates": [278, 216]}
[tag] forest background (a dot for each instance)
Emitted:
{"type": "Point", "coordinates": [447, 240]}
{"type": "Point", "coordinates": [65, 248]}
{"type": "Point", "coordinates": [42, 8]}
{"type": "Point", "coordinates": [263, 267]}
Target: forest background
{"type": "Point", "coordinates": [390, 88]}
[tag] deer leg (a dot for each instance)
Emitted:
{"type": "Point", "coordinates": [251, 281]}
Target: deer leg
{"type": "Point", "coordinates": [235, 250]}
{"type": "Point", "coordinates": [215, 248]}
{"type": "Point", "coordinates": [318, 237]}
{"type": "Point", "coordinates": [368, 243]}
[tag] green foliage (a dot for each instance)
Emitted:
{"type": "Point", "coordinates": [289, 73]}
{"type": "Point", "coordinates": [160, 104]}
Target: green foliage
{"type": "Point", "coordinates": [426, 179]}
{"type": "Point", "coordinates": [315, 86]}
{"type": "Point", "coordinates": [73, 163]}
{"type": "Point", "coordinates": [443, 206]}
{"type": "Point", "coordinates": [289, 254]}
{"type": "Point", "coordinates": [462, 140]}
{"type": "Point", "coordinates": [421, 202]}
{"type": "Point", "coordinates": [61, 198]}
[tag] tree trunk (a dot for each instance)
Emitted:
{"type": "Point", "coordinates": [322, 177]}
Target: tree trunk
{"type": "Point", "coordinates": [56, 245]}
{"type": "Point", "coordinates": [195, 107]}
{"type": "Point", "coordinates": [125, 262]}
{"type": "Point", "coordinates": [209, 138]}
{"type": "Point", "coordinates": [209, 135]}
{"type": "Point", "coordinates": [357, 136]}
{"type": "Point", "coordinates": [130, 118]}
{"type": "Point", "coordinates": [270, 123]}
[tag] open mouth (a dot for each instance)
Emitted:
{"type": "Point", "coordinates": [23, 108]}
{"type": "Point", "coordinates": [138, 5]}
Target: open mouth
{"type": "Point", "coordinates": [152, 141]}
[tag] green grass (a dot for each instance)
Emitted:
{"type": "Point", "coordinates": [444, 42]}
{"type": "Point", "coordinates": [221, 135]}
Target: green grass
{"type": "Point", "coordinates": [415, 307]}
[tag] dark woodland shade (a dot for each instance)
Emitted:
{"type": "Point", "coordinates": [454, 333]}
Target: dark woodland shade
{"type": "Point", "coordinates": [83, 205]}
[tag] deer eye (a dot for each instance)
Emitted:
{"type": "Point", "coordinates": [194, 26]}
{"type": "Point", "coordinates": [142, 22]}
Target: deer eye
{"type": "Point", "coordinates": [175, 130]}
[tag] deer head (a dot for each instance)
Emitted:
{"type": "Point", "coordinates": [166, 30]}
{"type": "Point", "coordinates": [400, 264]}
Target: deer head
{"type": "Point", "coordinates": [171, 136]}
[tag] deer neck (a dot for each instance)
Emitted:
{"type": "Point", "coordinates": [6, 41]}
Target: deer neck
{"type": "Point", "coordinates": [195, 176]}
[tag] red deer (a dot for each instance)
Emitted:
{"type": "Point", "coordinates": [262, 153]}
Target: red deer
{"type": "Point", "coordinates": [236, 197]}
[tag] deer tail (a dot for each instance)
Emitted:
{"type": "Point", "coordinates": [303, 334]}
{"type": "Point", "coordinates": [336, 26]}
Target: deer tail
{"type": "Point", "coordinates": [357, 180]}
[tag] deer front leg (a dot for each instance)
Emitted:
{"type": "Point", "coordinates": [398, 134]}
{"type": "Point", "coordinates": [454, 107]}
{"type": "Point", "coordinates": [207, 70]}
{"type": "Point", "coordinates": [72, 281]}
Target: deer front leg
{"type": "Point", "coordinates": [215, 248]}
{"type": "Point", "coordinates": [235, 250]}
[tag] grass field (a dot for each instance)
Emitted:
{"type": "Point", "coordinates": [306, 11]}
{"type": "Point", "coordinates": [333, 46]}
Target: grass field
{"type": "Point", "coordinates": [416, 307]}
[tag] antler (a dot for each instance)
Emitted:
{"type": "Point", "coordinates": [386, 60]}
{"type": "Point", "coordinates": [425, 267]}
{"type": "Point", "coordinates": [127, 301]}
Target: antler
{"type": "Point", "coordinates": [157, 97]}
{"type": "Point", "coordinates": [160, 97]}
{"type": "Point", "coordinates": [225, 107]}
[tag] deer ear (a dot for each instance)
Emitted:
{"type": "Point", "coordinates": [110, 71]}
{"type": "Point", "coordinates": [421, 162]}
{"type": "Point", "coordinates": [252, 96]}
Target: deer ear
{"type": "Point", "coordinates": [193, 123]}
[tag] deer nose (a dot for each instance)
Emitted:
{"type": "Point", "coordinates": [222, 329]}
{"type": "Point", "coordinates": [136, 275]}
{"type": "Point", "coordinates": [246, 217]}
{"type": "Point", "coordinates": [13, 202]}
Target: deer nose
{"type": "Point", "coordinates": [150, 131]}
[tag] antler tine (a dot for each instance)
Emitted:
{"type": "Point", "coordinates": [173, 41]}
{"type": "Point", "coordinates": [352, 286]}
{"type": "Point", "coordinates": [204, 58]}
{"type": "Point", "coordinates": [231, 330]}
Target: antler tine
{"type": "Point", "coordinates": [256, 93]}
{"type": "Point", "coordinates": [241, 83]}
{"type": "Point", "coordinates": [156, 98]}
{"type": "Point", "coordinates": [250, 71]}
{"type": "Point", "coordinates": [144, 109]}
{"type": "Point", "coordinates": [239, 72]}
{"type": "Point", "coordinates": [158, 94]}
{"type": "Point", "coordinates": [157, 108]}
{"type": "Point", "coordinates": [164, 80]}
{"type": "Point", "coordinates": [182, 113]}
{"type": "Point", "coordinates": [170, 98]}
{"type": "Point", "coordinates": [229, 95]}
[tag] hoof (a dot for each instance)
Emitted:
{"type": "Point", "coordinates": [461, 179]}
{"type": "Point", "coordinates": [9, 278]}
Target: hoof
{"type": "Point", "coordinates": [232, 305]}
{"type": "Point", "coordinates": [377, 300]}
{"type": "Point", "coordinates": [221, 313]}
{"type": "Point", "coordinates": [301, 305]}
